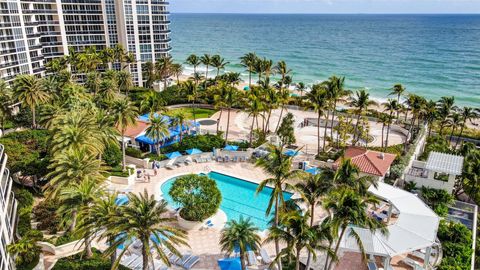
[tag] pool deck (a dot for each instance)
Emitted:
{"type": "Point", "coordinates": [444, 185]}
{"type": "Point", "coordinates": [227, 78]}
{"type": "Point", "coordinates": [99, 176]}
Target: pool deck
{"type": "Point", "coordinates": [205, 243]}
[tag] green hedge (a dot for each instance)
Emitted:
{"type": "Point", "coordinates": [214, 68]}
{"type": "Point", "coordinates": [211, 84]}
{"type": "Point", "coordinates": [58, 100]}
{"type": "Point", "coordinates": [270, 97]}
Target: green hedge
{"type": "Point", "coordinates": [24, 209]}
{"type": "Point", "coordinates": [456, 241]}
{"type": "Point", "coordinates": [203, 142]}
{"type": "Point", "coordinates": [112, 155]}
{"type": "Point", "coordinates": [133, 152]}
{"type": "Point", "coordinates": [79, 262]}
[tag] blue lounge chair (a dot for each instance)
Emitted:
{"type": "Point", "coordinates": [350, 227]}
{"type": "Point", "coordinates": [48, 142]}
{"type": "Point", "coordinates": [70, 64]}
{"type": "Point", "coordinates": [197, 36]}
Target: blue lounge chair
{"type": "Point", "coordinates": [191, 262]}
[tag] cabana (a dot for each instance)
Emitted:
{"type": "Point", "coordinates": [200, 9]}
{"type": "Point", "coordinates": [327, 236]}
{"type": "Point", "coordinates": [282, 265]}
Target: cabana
{"type": "Point", "coordinates": [136, 133]}
{"type": "Point", "coordinates": [173, 155]}
{"type": "Point", "coordinates": [414, 229]}
{"type": "Point", "coordinates": [229, 147]}
{"type": "Point", "coordinates": [194, 151]}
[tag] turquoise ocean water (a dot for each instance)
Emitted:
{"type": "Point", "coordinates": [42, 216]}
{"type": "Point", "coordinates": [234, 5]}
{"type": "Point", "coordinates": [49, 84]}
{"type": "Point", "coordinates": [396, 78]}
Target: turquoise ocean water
{"type": "Point", "coordinates": [239, 198]}
{"type": "Point", "coordinates": [432, 55]}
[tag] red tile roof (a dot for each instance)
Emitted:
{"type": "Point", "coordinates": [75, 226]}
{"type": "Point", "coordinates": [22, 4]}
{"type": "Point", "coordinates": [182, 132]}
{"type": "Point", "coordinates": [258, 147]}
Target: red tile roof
{"type": "Point", "coordinates": [370, 162]}
{"type": "Point", "coordinates": [133, 131]}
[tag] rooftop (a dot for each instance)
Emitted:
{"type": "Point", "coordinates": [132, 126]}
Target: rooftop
{"type": "Point", "coordinates": [368, 161]}
{"type": "Point", "coordinates": [444, 163]}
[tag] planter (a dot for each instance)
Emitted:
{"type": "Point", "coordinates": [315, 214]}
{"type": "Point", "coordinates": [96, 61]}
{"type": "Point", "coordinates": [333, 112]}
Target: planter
{"type": "Point", "coordinates": [189, 225]}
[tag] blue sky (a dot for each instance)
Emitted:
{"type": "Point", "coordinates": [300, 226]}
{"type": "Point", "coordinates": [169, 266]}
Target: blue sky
{"type": "Point", "coordinates": [325, 6]}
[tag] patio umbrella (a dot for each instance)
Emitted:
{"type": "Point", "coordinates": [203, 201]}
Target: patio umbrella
{"type": "Point", "coordinates": [246, 88]}
{"type": "Point", "coordinates": [173, 155]}
{"type": "Point", "coordinates": [313, 171]}
{"type": "Point", "coordinates": [194, 151]}
{"type": "Point", "coordinates": [121, 199]}
{"type": "Point", "coordinates": [231, 147]}
{"type": "Point", "coordinates": [230, 264]}
{"type": "Point", "coordinates": [291, 153]}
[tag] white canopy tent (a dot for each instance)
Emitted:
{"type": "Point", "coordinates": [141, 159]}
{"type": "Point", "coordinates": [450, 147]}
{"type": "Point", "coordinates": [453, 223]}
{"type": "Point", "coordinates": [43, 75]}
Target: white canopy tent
{"type": "Point", "coordinates": [416, 226]}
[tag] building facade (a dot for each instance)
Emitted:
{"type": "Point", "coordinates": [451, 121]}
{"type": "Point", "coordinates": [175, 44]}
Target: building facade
{"type": "Point", "coordinates": [8, 212]}
{"type": "Point", "coordinates": [33, 32]}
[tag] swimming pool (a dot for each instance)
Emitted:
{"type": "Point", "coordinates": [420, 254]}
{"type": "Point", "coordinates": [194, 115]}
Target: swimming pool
{"type": "Point", "coordinates": [238, 198]}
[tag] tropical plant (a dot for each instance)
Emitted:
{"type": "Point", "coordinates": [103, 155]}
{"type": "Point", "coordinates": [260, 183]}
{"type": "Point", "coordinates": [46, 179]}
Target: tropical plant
{"type": "Point", "coordinates": [30, 91]}
{"type": "Point", "coordinates": [158, 130]}
{"type": "Point", "coordinates": [348, 175]}
{"type": "Point", "coordinates": [301, 87]}
{"type": "Point", "coordinates": [249, 62]}
{"type": "Point", "coordinates": [231, 98]}
{"type": "Point", "coordinates": [191, 89]}
{"type": "Point", "coordinates": [179, 119]}
{"type": "Point", "coordinates": [286, 131]}
{"type": "Point", "coordinates": [445, 106]}
{"type": "Point", "coordinates": [391, 106]}
{"type": "Point", "coordinates": [149, 73]}
{"type": "Point", "coordinates": [6, 96]}
{"type": "Point", "coordinates": [361, 101]}
{"type": "Point", "coordinates": [152, 102]}
{"type": "Point", "coordinates": [194, 61]}
{"type": "Point", "coordinates": [241, 235]}
{"type": "Point", "coordinates": [177, 71]}
{"type": "Point", "coordinates": [398, 90]}
{"type": "Point", "coordinates": [25, 250]}
{"type": "Point", "coordinates": [163, 68]}
{"type": "Point", "coordinates": [124, 79]}
{"type": "Point", "coordinates": [278, 165]}
{"type": "Point", "coordinates": [198, 196]}
{"type": "Point", "coordinates": [336, 93]}
{"type": "Point", "coordinates": [219, 63]}
{"type": "Point", "coordinates": [125, 114]}
{"type": "Point", "coordinates": [318, 99]}
{"type": "Point", "coordinates": [143, 218]}
{"type": "Point", "coordinates": [468, 115]}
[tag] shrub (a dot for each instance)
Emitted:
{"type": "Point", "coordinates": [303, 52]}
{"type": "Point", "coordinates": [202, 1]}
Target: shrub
{"type": "Point", "coordinates": [112, 155]}
{"type": "Point", "coordinates": [66, 238]}
{"type": "Point", "coordinates": [203, 142]}
{"type": "Point", "coordinates": [153, 156]}
{"type": "Point", "coordinates": [198, 196]}
{"type": "Point", "coordinates": [45, 214]}
{"type": "Point", "coordinates": [456, 241]}
{"type": "Point", "coordinates": [25, 204]}
{"type": "Point", "coordinates": [24, 198]}
{"type": "Point", "coordinates": [26, 252]}
{"type": "Point", "coordinates": [79, 262]}
{"type": "Point", "coordinates": [133, 152]}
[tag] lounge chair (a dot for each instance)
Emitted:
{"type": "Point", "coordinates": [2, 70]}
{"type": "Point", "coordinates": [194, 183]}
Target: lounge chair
{"type": "Point", "coordinates": [208, 159]}
{"type": "Point", "coordinates": [251, 258]}
{"type": "Point", "coordinates": [170, 164]}
{"type": "Point", "coordinates": [197, 160]}
{"type": "Point", "coordinates": [219, 159]}
{"type": "Point", "coordinates": [183, 260]}
{"type": "Point", "coordinates": [227, 158]}
{"type": "Point", "coordinates": [372, 266]}
{"type": "Point", "coordinates": [242, 159]}
{"type": "Point", "coordinates": [173, 259]}
{"type": "Point", "coordinates": [265, 257]}
{"type": "Point", "coordinates": [191, 262]}
{"type": "Point", "coordinates": [235, 159]}
{"type": "Point", "coordinates": [188, 161]}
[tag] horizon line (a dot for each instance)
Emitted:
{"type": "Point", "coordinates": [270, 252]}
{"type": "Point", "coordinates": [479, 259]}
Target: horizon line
{"type": "Point", "coordinates": [338, 13]}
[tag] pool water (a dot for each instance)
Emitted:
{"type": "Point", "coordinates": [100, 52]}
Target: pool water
{"type": "Point", "coordinates": [239, 198]}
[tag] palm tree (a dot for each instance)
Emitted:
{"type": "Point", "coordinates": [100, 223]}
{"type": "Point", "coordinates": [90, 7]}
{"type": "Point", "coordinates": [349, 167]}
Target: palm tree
{"type": "Point", "coordinates": [93, 81]}
{"type": "Point", "coordinates": [108, 90]}
{"type": "Point", "coordinates": [311, 190]}
{"type": "Point", "coordinates": [391, 106]}
{"type": "Point", "coordinates": [219, 63]}
{"type": "Point", "coordinates": [231, 99]}
{"type": "Point", "coordinates": [152, 102]}
{"type": "Point", "coordinates": [445, 106]}
{"type": "Point", "coordinates": [336, 93]}
{"type": "Point", "coordinates": [128, 58]}
{"type": "Point", "coordinates": [75, 201]}
{"type": "Point", "coordinates": [398, 90]}
{"type": "Point", "coordinates": [383, 119]}
{"type": "Point", "coordinates": [30, 91]}
{"type": "Point", "coordinates": [191, 89]}
{"type": "Point", "coordinates": [294, 230]}
{"type": "Point", "coordinates": [143, 218]}
{"type": "Point", "coordinates": [360, 102]}
{"type": "Point", "coordinates": [73, 166]}
{"type": "Point", "coordinates": [157, 131]}
{"type": "Point", "coordinates": [283, 96]}
{"type": "Point", "coordinates": [206, 60]}
{"type": "Point", "coordinates": [163, 68]}
{"type": "Point", "coordinates": [318, 99]}
{"type": "Point", "coordinates": [194, 61]}
{"type": "Point", "coordinates": [125, 113]}
{"type": "Point", "coordinates": [349, 210]}
{"type": "Point", "coordinates": [454, 122]}
{"type": "Point", "coordinates": [267, 67]}
{"type": "Point", "coordinates": [430, 114]}
{"type": "Point", "coordinates": [248, 61]}
{"type": "Point", "coordinates": [348, 175]}
{"type": "Point", "coordinates": [468, 114]}
{"type": "Point", "coordinates": [301, 87]}
{"type": "Point", "coordinates": [282, 69]}
{"type": "Point", "coordinates": [178, 119]}
{"type": "Point", "coordinates": [241, 234]}
{"type": "Point", "coordinates": [177, 70]}
{"type": "Point", "coordinates": [6, 96]}
{"type": "Point", "coordinates": [254, 109]}
{"type": "Point", "coordinates": [149, 73]}
{"type": "Point", "coordinates": [124, 80]}
{"type": "Point", "coordinates": [278, 165]}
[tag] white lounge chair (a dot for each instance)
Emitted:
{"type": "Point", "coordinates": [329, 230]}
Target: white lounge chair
{"type": "Point", "coordinates": [170, 164]}
{"type": "Point", "coordinates": [188, 161]}
{"type": "Point", "coordinates": [251, 258]}
{"type": "Point", "coordinates": [265, 257]}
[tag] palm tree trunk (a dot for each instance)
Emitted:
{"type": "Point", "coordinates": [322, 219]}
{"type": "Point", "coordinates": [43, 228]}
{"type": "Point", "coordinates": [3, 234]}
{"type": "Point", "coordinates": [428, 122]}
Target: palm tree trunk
{"type": "Point", "coordinates": [383, 129]}
{"type": "Point", "coordinates": [242, 259]}
{"type": "Point", "coordinates": [251, 132]}
{"type": "Point", "coordinates": [74, 221]}
{"type": "Point", "coordinates": [325, 131]}
{"type": "Point", "coordinates": [219, 118]}
{"type": "Point", "coordinates": [460, 135]}
{"type": "Point", "coordinates": [312, 213]}
{"type": "Point", "coordinates": [158, 148]}
{"type": "Point", "coordinates": [297, 261]}
{"type": "Point", "coordinates": [193, 109]}
{"type": "Point", "coordinates": [388, 132]}
{"type": "Point", "coordinates": [318, 133]}
{"type": "Point", "coordinates": [34, 124]}
{"type": "Point", "coordinates": [277, 245]}
{"type": "Point", "coordinates": [228, 125]}
{"type": "Point", "coordinates": [330, 266]}
{"type": "Point", "coordinates": [206, 77]}
{"type": "Point", "coordinates": [249, 79]}
{"type": "Point", "coordinates": [327, 257]}
{"type": "Point", "coordinates": [144, 256]}
{"type": "Point", "coordinates": [451, 133]}
{"type": "Point", "coordinates": [356, 130]}
{"type": "Point", "coordinates": [88, 246]}
{"type": "Point", "coordinates": [268, 120]}
{"type": "Point", "coordinates": [124, 162]}
{"type": "Point", "coordinates": [279, 119]}
{"type": "Point", "coordinates": [333, 118]}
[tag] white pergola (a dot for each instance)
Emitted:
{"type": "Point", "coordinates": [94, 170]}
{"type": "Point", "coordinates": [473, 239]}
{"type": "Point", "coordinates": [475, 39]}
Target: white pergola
{"type": "Point", "coordinates": [444, 163]}
{"type": "Point", "coordinates": [415, 228]}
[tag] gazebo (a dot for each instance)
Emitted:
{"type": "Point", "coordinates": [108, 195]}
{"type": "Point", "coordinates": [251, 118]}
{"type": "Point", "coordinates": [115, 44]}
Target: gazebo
{"type": "Point", "coordinates": [414, 229]}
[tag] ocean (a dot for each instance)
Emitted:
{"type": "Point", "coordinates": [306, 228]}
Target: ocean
{"type": "Point", "coordinates": [431, 55]}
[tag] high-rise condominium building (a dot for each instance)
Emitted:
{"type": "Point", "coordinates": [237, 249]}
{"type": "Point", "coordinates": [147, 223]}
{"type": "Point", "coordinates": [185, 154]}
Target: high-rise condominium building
{"type": "Point", "coordinates": [8, 212]}
{"type": "Point", "coordinates": [32, 32]}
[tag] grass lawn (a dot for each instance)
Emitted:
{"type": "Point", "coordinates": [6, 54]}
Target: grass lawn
{"type": "Point", "coordinates": [199, 112]}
